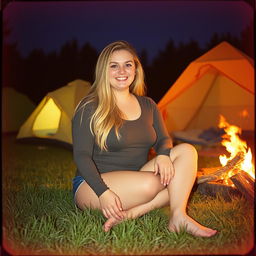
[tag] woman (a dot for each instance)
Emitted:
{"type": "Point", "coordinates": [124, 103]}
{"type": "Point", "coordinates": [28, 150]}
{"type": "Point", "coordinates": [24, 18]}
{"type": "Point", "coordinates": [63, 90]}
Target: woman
{"type": "Point", "coordinates": [113, 129]}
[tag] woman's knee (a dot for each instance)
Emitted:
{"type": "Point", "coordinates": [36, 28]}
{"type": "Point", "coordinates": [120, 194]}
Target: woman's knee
{"type": "Point", "coordinates": [185, 149]}
{"type": "Point", "coordinates": [189, 148]}
{"type": "Point", "coordinates": [151, 185]}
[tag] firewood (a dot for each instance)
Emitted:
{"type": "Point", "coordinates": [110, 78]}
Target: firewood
{"type": "Point", "coordinates": [217, 188]}
{"type": "Point", "coordinates": [207, 178]}
{"type": "Point", "coordinates": [244, 183]}
{"type": "Point", "coordinates": [231, 165]}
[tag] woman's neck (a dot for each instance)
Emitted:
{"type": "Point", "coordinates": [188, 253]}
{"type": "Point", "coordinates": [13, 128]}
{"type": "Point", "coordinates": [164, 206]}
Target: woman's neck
{"type": "Point", "coordinates": [122, 96]}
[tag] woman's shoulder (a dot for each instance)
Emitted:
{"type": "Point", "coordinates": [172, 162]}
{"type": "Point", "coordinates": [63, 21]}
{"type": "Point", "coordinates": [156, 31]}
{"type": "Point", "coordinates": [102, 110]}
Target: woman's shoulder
{"type": "Point", "coordinates": [85, 107]}
{"type": "Point", "coordinates": [86, 103]}
{"type": "Point", "coordinates": [147, 101]}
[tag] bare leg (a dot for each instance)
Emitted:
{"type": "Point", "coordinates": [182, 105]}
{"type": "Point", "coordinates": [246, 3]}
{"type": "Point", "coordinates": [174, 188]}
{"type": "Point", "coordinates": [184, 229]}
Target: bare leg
{"type": "Point", "coordinates": [179, 190]}
{"type": "Point", "coordinates": [145, 186]}
{"type": "Point", "coordinates": [160, 200]}
{"type": "Point", "coordinates": [184, 158]}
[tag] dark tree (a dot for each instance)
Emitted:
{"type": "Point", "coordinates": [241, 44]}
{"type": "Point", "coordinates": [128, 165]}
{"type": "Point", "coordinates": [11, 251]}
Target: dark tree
{"type": "Point", "coordinates": [168, 65]}
{"type": "Point", "coordinates": [68, 63]}
{"type": "Point", "coordinates": [217, 39]}
{"type": "Point", "coordinates": [87, 62]}
{"type": "Point", "coordinates": [35, 80]}
{"type": "Point", "coordinates": [52, 72]}
{"type": "Point", "coordinates": [143, 55]}
{"type": "Point", "coordinates": [12, 69]}
{"type": "Point", "coordinates": [160, 73]}
{"type": "Point", "coordinates": [247, 40]}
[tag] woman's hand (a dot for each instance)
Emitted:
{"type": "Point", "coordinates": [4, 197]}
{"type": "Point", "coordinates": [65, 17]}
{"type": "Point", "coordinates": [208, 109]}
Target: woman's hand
{"type": "Point", "coordinates": [164, 166]}
{"type": "Point", "coordinates": [111, 205]}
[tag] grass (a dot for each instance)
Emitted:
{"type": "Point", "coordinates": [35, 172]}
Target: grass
{"type": "Point", "coordinates": [40, 218]}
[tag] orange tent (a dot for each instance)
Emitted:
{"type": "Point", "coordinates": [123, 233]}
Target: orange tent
{"type": "Point", "coordinates": [219, 82]}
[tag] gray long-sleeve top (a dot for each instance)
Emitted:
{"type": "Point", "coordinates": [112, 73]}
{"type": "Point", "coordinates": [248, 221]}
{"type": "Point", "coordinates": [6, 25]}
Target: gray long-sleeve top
{"type": "Point", "coordinates": [130, 152]}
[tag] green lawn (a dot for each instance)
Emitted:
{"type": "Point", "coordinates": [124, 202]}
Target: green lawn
{"type": "Point", "coordinates": [40, 218]}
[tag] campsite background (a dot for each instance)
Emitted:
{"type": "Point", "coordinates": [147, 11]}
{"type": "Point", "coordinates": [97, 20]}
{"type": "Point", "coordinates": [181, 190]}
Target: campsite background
{"type": "Point", "coordinates": [40, 54]}
{"type": "Point", "coordinates": [50, 50]}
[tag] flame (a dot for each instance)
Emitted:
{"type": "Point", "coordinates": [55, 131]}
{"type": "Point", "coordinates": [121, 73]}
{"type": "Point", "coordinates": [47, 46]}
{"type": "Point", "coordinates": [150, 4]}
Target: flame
{"type": "Point", "coordinates": [233, 145]}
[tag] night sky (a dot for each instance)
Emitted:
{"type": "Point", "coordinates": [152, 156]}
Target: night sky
{"type": "Point", "coordinates": [145, 24]}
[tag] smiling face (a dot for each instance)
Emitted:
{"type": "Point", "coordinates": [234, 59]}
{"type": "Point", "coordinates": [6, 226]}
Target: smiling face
{"type": "Point", "coordinates": [121, 70]}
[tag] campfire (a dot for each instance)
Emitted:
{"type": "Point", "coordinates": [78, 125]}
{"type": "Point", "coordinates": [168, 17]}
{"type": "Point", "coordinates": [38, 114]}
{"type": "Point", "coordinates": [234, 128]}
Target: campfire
{"type": "Point", "coordinates": [237, 170]}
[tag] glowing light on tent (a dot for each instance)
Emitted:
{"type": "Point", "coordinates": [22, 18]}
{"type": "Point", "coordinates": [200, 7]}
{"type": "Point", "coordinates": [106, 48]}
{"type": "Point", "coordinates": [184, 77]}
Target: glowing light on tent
{"type": "Point", "coordinates": [244, 113]}
{"type": "Point", "coordinates": [47, 121]}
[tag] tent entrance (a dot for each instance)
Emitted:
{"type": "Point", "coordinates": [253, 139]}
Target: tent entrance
{"type": "Point", "coordinates": [47, 121]}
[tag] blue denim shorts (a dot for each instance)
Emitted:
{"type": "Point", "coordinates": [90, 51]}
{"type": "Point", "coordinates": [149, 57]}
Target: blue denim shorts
{"type": "Point", "coordinates": [77, 181]}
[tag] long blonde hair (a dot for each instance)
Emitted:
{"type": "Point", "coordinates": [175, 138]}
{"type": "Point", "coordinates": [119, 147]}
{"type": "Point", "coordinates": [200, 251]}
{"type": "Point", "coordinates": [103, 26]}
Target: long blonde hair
{"type": "Point", "coordinates": [107, 114]}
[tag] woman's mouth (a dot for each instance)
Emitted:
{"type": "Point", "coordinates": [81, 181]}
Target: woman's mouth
{"type": "Point", "coordinates": [121, 78]}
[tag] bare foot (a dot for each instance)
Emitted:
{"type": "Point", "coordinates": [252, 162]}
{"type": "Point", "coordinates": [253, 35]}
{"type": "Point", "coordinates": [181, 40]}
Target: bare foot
{"type": "Point", "coordinates": [111, 222]}
{"type": "Point", "coordinates": [132, 213]}
{"type": "Point", "coordinates": [179, 221]}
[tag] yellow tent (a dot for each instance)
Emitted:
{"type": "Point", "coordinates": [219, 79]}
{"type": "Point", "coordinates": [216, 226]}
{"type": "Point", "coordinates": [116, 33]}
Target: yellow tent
{"type": "Point", "coordinates": [52, 117]}
{"type": "Point", "coordinates": [219, 82]}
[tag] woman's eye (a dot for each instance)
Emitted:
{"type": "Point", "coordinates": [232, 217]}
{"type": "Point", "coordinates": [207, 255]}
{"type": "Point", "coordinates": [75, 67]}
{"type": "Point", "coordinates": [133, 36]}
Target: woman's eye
{"type": "Point", "coordinates": [129, 65]}
{"type": "Point", "coordinates": [113, 66]}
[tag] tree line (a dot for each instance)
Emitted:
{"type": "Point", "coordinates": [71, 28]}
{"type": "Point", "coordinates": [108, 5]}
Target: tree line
{"type": "Point", "coordinates": [39, 73]}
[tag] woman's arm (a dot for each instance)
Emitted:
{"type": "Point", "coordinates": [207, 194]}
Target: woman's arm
{"type": "Point", "coordinates": [162, 146]}
{"type": "Point", "coordinates": [163, 142]}
{"type": "Point", "coordinates": [83, 144]}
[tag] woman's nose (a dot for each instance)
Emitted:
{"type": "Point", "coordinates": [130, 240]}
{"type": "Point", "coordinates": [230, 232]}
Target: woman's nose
{"type": "Point", "coordinates": [121, 70]}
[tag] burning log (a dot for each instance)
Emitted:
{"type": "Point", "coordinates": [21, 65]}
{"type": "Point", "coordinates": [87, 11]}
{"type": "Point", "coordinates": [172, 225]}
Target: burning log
{"type": "Point", "coordinates": [230, 166]}
{"type": "Point", "coordinates": [236, 174]}
{"type": "Point", "coordinates": [244, 183]}
{"type": "Point", "coordinates": [214, 188]}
